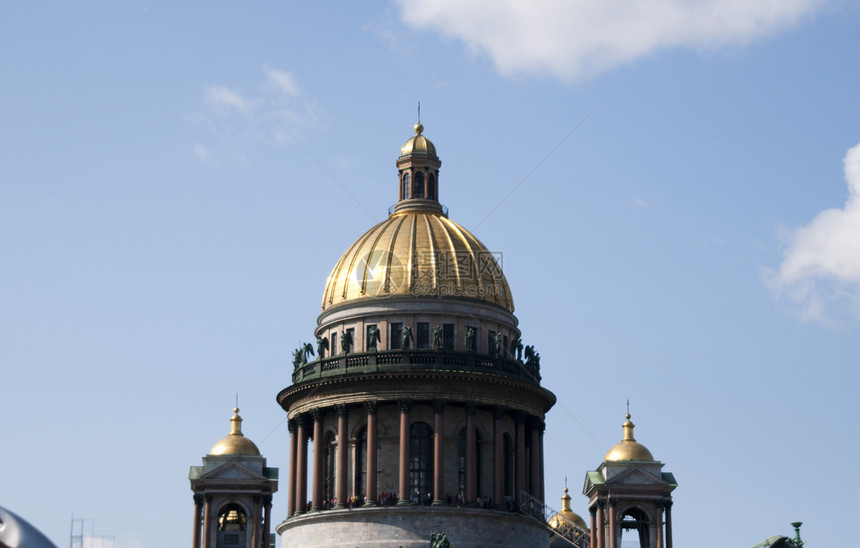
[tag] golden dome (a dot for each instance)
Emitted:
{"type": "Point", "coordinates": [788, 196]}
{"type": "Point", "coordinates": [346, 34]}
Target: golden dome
{"type": "Point", "coordinates": [567, 513]}
{"type": "Point", "coordinates": [418, 144]}
{"type": "Point", "coordinates": [235, 443]}
{"type": "Point", "coordinates": [628, 448]}
{"type": "Point", "coordinates": [420, 253]}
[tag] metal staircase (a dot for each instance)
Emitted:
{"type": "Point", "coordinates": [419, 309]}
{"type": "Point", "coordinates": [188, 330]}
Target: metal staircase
{"type": "Point", "coordinates": [560, 526]}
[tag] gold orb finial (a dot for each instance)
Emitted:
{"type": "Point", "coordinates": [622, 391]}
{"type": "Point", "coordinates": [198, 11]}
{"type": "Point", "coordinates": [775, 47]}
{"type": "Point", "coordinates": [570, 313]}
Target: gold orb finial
{"type": "Point", "coordinates": [419, 128]}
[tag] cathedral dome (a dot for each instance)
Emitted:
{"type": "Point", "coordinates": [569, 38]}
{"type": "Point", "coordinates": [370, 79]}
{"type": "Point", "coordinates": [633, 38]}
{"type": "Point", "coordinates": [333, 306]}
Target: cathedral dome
{"type": "Point", "coordinates": [567, 514]}
{"type": "Point", "coordinates": [235, 443]}
{"type": "Point", "coordinates": [418, 144]}
{"type": "Point", "coordinates": [417, 254]}
{"type": "Point", "coordinates": [628, 448]}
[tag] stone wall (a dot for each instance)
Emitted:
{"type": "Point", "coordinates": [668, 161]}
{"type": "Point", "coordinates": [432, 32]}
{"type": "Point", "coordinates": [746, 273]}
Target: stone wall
{"type": "Point", "coordinates": [410, 527]}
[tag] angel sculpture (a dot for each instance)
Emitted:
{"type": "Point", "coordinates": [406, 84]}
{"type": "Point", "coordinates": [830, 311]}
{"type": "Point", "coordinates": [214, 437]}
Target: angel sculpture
{"type": "Point", "coordinates": [322, 346]}
{"type": "Point", "coordinates": [306, 349]}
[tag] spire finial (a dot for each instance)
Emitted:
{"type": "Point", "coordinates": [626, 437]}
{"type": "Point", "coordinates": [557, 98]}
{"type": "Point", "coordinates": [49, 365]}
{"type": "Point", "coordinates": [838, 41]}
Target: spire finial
{"type": "Point", "coordinates": [628, 409]}
{"type": "Point", "coordinates": [419, 112]}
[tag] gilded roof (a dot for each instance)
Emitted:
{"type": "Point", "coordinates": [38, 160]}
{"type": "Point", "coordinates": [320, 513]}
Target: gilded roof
{"type": "Point", "coordinates": [418, 144]}
{"type": "Point", "coordinates": [628, 448]}
{"type": "Point", "coordinates": [418, 253]}
{"type": "Point", "coordinates": [235, 443]}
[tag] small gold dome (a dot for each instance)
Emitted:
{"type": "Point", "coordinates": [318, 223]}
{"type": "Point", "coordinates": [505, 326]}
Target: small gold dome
{"type": "Point", "coordinates": [417, 253]}
{"type": "Point", "coordinates": [566, 513]}
{"type": "Point", "coordinates": [418, 144]}
{"type": "Point", "coordinates": [235, 443]}
{"type": "Point", "coordinates": [628, 448]}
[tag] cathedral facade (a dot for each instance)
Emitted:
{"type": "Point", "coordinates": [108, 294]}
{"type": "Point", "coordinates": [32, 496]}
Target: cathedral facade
{"type": "Point", "coordinates": [418, 414]}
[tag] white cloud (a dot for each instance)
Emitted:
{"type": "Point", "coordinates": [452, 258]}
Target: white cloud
{"type": "Point", "coordinates": [219, 96]}
{"type": "Point", "coordinates": [275, 112]}
{"type": "Point", "coordinates": [281, 81]}
{"type": "Point", "coordinates": [820, 272]}
{"type": "Point", "coordinates": [201, 152]}
{"type": "Point", "coordinates": [574, 39]}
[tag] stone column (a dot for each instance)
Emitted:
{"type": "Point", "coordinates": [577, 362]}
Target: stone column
{"type": "Point", "coordinates": [342, 453]}
{"type": "Point", "coordinates": [542, 475]}
{"type": "Point", "coordinates": [267, 530]}
{"type": "Point", "coordinates": [601, 524]}
{"type": "Point", "coordinates": [439, 452]}
{"type": "Point", "coordinates": [498, 458]}
{"type": "Point", "coordinates": [471, 486]}
{"type": "Point", "coordinates": [613, 531]}
{"type": "Point", "coordinates": [534, 461]}
{"type": "Point", "coordinates": [198, 513]}
{"type": "Point", "coordinates": [301, 466]}
{"type": "Point", "coordinates": [293, 476]}
{"type": "Point", "coordinates": [319, 450]}
{"type": "Point", "coordinates": [669, 524]}
{"type": "Point", "coordinates": [520, 476]}
{"type": "Point", "coordinates": [592, 538]}
{"type": "Point", "coordinates": [207, 522]}
{"type": "Point", "coordinates": [372, 454]}
{"type": "Point", "coordinates": [256, 514]}
{"type": "Point", "coordinates": [403, 495]}
{"type": "Point", "coordinates": [659, 524]}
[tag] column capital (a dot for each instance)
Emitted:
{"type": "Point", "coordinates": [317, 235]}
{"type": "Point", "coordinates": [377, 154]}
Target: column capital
{"type": "Point", "coordinates": [520, 417]}
{"type": "Point", "coordinates": [317, 414]}
{"type": "Point", "coordinates": [499, 412]}
{"type": "Point", "coordinates": [257, 497]}
{"type": "Point", "coordinates": [198, 499]}
{"type": "Point", "coordinates": [405, 405]}
{"type": "Point", "coordinates": [292, 425]}
{"type": "Point", "coordinates": [592, 510]}
{"type": "Point", "coordinates": [612, 502]}
{"type": "Point", "coordinates": [301, 420]}
{"type": "Point", "coordinates": [439, 405]}
{"type": "Point", "coordinates": [208, 497]}
{"type": "Point", "coordinates": [601, 503]}
{"type": "Point", "coordinates": [471, 408]}
{"type": "Point", "coordinates": [667, 504]}
{"type": "Point", "coordinates": [371, 406]}
{"type": "Point", "coordinates": [341, 410]}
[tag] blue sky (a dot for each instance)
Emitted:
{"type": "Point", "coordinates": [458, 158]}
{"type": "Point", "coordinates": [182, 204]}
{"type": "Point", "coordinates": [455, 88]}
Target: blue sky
{"type": "Point", "coordinates": [674, 189]}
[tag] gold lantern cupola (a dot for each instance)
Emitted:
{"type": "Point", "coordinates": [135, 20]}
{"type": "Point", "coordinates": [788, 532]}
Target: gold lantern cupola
{"type": "Point", "coordinates": [418, 174]}
{"type": "Point", "coordinates": [628, 448]}
{"type": "Point", "coordinates": [567, 514]}
{"type": "Point", "coordinates": [235, 443]}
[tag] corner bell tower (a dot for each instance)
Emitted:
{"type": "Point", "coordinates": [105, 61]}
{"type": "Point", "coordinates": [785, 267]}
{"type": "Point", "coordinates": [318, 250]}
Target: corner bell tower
{"type": "Point", "coordinates": [629, 493]}
{"type": "Point", "coordinates": [233, 494]}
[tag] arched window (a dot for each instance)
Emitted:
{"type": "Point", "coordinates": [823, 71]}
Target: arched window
{"type": "Point", "coordinates": [461, 462]}
{"type": "Point", "coordinates": [431, 187]}
{"type": "Point", "coordinates": [404, 190]}
{"type": "Point", "coordinates": [418, 187]}
{"type": "Point", "coordinates": [232, 523]}
{"type": "Point", "coordinates": [330, 467]}
{"type": "Point", "coordinates": [635, 520]}
{"type": "Point", "coordinates": [421, 463]}
{"type": "Point", "coordinates": [508, 448]}
{"type": "Point", "coordinates": [360, 473]}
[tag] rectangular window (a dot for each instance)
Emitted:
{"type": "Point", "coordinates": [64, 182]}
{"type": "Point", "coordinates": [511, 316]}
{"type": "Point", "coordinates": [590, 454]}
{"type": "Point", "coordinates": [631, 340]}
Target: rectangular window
{"type": "Point", "coordinates": [394, 334]}
{"type": "Point", "coordinates": [448, 336]}
{"type": "Point", "coordinates": [505, 346]}
{"type": "Point", "coordinates": [423, 335]}
{"type": "Point", "coordinates": [334, 343]}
